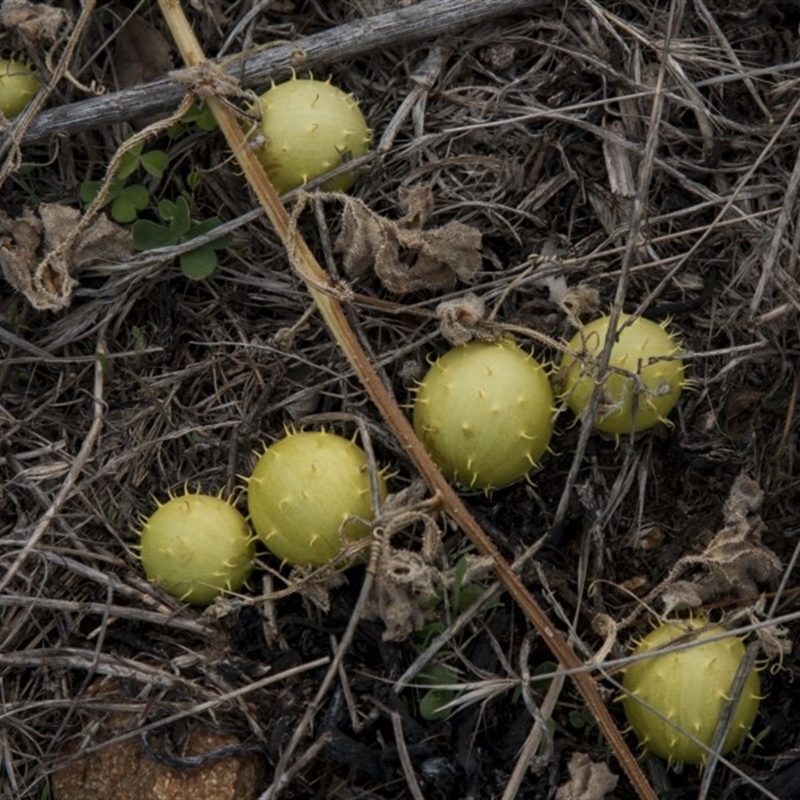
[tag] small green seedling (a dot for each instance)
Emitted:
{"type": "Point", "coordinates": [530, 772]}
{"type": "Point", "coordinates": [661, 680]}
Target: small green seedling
{"type": "Point", "coordinates": [451, 603]}
{"type": "Point", "coordinates": [18, 84]}
{"type": "Point", "coordinates": [199, 115]}
{"type": "Point", "coordinates": [645, 381]}
{"type": "Point", "coordinates": [196, 547]}
{"type": "Point", "coordinates": [433, 700]}
{"type": "Point", "coordinates": [484, 412]}
{"type": "Point", "coordinates": [196, 264]}
{"type": "Point", "coordinates": [128, 199]}
{"type": "Point", "coordinates": [690, 688]}
{"type": "Point", "coordinates": [310, 127]}
{"type": "Point", "coordinates": [303, 492]}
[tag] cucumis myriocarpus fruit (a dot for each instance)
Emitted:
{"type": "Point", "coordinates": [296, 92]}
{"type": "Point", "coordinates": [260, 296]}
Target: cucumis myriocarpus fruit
{"type": "Point", "coordinates": [310, 493]}
{"type": "Point", "coordinates": [18, 84]}
{"type": "Point", "coordinates": [645, 377]}
{"type": "Point", "coordinates": [484, 412]}
{"type": "Point", "coordinates": [310, 127]}
{"type": "Point", "coordinates": [690, 688]}
{"type": "Point", "coordinates": [197, 546]}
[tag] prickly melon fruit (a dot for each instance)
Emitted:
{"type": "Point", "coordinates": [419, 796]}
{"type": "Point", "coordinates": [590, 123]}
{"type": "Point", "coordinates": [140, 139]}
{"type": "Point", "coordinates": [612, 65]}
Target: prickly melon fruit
{"type": "Point", "coordinates": [690, 688]}
{"type": "Point", "coordinates": [629, 402]}
{"type": "Point", "coordinates": [302, 491]}
{"type": "Point", "coordinates": [484, 412]}
{"type": "Point", "coordinates": [196, 547]}
{"type": "Point", "coordinates": [310, 127]}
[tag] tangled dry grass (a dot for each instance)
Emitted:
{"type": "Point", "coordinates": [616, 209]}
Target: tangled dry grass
{"type": "Point", "coordinates": [643, 155]}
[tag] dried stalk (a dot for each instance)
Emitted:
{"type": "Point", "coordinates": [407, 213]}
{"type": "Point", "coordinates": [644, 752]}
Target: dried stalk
{"type": "Point", "coordinates": [426, 20]}
{"type": "Point", "coordinates": [324, 293]}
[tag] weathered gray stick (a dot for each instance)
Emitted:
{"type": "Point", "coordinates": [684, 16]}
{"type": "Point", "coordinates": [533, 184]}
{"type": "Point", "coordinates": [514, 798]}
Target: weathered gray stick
{"type": "Point", "coordinates": [425, 20]}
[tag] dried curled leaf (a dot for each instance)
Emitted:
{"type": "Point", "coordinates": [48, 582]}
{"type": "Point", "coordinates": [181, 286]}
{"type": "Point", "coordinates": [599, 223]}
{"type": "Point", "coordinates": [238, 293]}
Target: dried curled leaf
{"type": "Point", "coordinates": [735, 562]}
{"type": "Point", "coordinates": [407, 584]}
{"type": "Point", "coordinates": [403, 583]}
{"type": "Point", "coordinates": [576, 302]}
{"type": "Point", "coordinates": [34, 21]}
{"type": "Point", "coordinates": [38, 258]}
{"type": "Point", "coordinates": [459, 317]}
{"type": "Point", "coordinates": [587, 780]}
{"type": "Point", "coordinates": [405, 257]}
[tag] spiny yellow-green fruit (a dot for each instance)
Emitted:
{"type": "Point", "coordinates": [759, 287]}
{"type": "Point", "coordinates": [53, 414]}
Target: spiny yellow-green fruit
{"type": "Point", "coordinates": [18, 84]}
{"type": "Point", "coordinates": [641, 389]}
{"type": "Point", "coordinates": [310, 127]}
{"type": "Point", "coordinates": [302, 491]}
{"type": "Point", "coordinates": [484, 412]}
{"type": "Point", "coordinates": [690, 688]}
{"type": "Point", "coordinates": [196, 547]}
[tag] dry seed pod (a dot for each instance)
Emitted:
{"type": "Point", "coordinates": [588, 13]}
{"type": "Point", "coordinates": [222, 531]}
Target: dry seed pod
{"type": "Point", "coordinates": [690, 688]}
{"type": "Point", "coordinates": [196, 547]}
{"type": "Point", "coordinates": [310, 127]}
{"type": "Point", "coordinates": [302, 492]}
{"type": "Point", "coordinates": [484, 412]}
{"type": "Point", "coordinates": [628, 403]}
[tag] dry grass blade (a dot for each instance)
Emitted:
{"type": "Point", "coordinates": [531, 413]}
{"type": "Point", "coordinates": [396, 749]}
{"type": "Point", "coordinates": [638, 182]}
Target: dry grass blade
{"type": "Point", "coordinates": [72, 475]}
{"type": "Point", "coordinates": [324, 294]}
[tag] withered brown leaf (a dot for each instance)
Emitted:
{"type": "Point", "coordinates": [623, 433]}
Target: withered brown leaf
{"type": "Point", "coordinates": [141, 52]}
{"type": "Point", "coordinates": [34, 21]}
{"type": "Point", "coordinates": [734, 564]}
{"type": "Point", "coordinates": [405, 257]}
{"type": "Point", "coordinates": [588, 780]}
{"type": "Point", "coordinates": [38, 259]}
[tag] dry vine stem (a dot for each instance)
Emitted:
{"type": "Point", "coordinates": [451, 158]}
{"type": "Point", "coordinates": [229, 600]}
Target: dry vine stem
{"type": "Point", "coordinates": [405, 24]}
{"type": "Point", "coordinates": [323, 292]}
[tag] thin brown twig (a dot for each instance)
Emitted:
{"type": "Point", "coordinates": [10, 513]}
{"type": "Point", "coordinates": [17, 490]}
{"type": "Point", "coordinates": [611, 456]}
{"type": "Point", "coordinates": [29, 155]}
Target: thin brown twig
{"type": "Point", "coordinates": [405, 758]}
{"type": "Point", "coordinates": [534, 739]}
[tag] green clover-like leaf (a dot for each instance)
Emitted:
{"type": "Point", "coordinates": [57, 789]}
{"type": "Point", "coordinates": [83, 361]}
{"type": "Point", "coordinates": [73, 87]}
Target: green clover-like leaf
{"type": "Point", "coordinates": [166, 210]}
{"type": "Point", "coordinates": [204, 226]}
{"type": "Point", "coordinates": [200, 114]}
{"type": "Point", "coordinates": [196, 264]}
{"type": "Point", "coordinates": [199, 263]}
{"type": "Point", "coordinates": [154, 162]}
{"type": "Point", "coordinates": [130, 201]}
{"type": "Point", "coordinates": [431, 703]}
{"type": "Point", "coordinates": [89, 190]}
{"type": "Point", "coordinates": [148, 235]}
{"type": "Point", "coordinates": [177, 214]}
{"type": "Point", "coordinates": [129, 163]}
